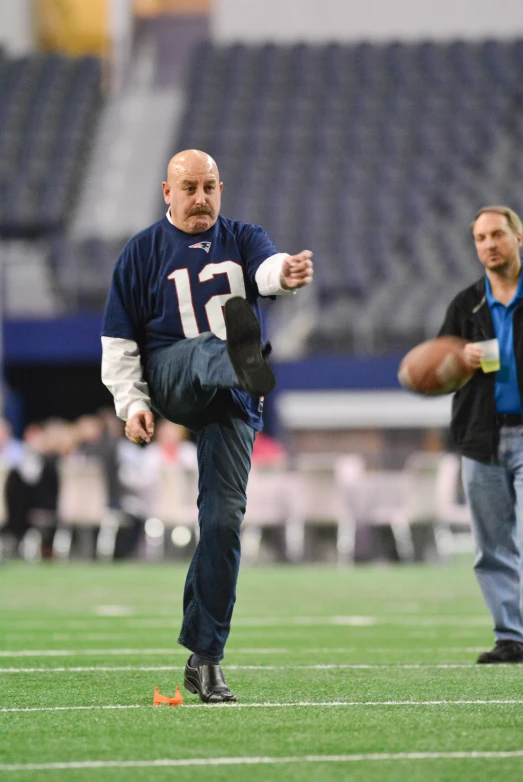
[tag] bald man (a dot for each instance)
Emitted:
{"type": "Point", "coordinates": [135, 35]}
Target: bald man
{"type": "Point", "coordinates": [182, 336]}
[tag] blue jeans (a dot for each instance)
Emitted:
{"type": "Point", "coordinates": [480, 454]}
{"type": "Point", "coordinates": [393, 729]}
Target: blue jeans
{"type": "Point", "coordinates": [495, 496]}
{"type": "Point", "coordinates": [189, 384]}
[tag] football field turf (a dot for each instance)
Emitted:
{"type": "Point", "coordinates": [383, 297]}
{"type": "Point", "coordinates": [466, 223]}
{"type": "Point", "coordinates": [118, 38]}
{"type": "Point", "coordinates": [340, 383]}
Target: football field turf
{"type": "Point", "coordinates": [362, 673]}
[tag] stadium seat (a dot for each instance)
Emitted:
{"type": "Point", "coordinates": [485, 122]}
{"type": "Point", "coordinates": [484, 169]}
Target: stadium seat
{"type": "Point", "coordinates": [317, 499]}
{"type": "Point", "coordinates": [379, 500]}
{"type": "Point", "coordinates": [83, 505]}
{"type": "Point", "coordinates": [432, 504]}
{"type": "Point", "coordinates": [268, 493]}
{"type": "Point", "coordinates": [48, 107]}
{"type": "Point", "coordinates": [175, 505]}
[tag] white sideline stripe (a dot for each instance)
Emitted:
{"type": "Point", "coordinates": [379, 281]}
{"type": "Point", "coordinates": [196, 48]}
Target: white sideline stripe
{"type": "Point", "coordinates": [113, 610]}
{"type": "Point", "coordinates": [256, 761]}
{"type": "Point", "coordinates": [120, 636]}
{"type": "Point", "coordinates": [284, 621]}
{"type": "Point", "coordinates": [80, 652]}
{"type": "Point", "coordinates": [269, 705]}
{"type": "Point", "coordinates": [172, 651]}
{"type": "Point", "coordinates": [326, 667]}
{"type": "Point", "coordinates": [103, 652]}
{"type": "Point", "coordinates": [72, 708]}
{"type": "Point", "coordinates": [357, 621]}
{"type": "Point", "coordinates": [267, 621]}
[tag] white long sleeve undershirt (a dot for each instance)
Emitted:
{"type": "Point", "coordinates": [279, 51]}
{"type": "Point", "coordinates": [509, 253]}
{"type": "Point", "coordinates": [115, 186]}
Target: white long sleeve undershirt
{"type": "Point", "coordinates": [123, 376]}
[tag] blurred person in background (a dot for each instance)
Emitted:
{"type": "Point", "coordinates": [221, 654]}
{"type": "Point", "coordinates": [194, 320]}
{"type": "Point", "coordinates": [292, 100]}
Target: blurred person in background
{"type": "Point", "coordinates": [268, 452]}
{"type": "Point", "coordinates": [32, 483]}
{"type": "Point", "coordinates": [181, 335]}
{"type": "Point", "coordinates": [128, 477]}
{"type": "Point", "coordinates": [174, 446]}
{"type": "Point", "coordinates": [11, 448]}
{"type": "Point", "coordinates": [98, 436]}
{"type": "Point", "coordinates": [11, 453]}
{"type": "Point", "coordinates": [487, 423]}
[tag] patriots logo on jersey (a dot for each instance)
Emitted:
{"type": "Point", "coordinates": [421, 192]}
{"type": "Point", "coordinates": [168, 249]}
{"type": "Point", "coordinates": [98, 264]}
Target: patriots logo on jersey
{"type": "Point", "coordinates": [201, 246]}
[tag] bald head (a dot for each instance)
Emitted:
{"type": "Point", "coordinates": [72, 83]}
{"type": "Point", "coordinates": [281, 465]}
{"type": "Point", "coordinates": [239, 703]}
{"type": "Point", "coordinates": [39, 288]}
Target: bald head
{"type": "Point", "coordinates": [191, 159]}
{"type": "Point", "coordinates": [193, 191]}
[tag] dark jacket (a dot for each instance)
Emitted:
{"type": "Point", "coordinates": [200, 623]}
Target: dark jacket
{"type": "Point", "coordinates": [473, 424]}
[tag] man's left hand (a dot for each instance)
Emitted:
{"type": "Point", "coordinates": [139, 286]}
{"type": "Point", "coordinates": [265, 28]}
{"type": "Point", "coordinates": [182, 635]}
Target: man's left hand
{"type": "Point", "coordinates": [140, 427]}
{"type": "Point", "coordinates": [296, 271]}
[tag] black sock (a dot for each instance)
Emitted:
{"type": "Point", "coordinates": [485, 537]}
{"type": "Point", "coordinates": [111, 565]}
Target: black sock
{"type": "Point", "coordinates": [197, 661]}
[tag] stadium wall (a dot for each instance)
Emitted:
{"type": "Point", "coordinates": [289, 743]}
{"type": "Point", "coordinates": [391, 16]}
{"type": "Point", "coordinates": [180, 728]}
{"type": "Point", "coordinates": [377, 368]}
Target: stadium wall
{"type": "Point", "coordinates": [54, 367]}
{"type": "Point", "coordinates": [375, 20]}
{"type": "Point", "coordinates": [17, 33]}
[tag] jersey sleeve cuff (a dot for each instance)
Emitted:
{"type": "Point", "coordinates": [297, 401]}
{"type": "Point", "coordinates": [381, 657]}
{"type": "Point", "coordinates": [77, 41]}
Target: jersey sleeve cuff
{"type": "Point", "coordinates": [268, 276]}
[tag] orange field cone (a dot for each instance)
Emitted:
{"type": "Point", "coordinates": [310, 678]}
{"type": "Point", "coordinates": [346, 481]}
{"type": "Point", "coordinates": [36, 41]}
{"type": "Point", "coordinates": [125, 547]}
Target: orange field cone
{"type": "Point", "coordinates": [176, 700]}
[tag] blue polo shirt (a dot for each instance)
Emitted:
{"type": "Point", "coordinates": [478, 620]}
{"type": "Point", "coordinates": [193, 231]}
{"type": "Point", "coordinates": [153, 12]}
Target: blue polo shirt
{"type": "Point", "coordinates": [507, 394]}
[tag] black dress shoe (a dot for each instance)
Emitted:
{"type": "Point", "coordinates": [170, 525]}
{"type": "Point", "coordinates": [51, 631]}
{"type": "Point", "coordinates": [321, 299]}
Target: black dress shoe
{"type": "Point", "coordinates": [503, 652]}
{"type": "Point", "coordinates": [207, 681]}
{"type": "Point", "coordinates": [245, 349]}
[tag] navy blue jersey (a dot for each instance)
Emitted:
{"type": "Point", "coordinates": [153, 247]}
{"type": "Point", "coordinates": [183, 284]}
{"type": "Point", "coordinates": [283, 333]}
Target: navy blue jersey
{"type": "Point", "coordinates": [168, 285]}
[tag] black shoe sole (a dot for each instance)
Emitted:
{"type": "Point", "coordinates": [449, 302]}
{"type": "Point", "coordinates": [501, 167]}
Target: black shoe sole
{"type": "Point", "coordinates": [244, 347]}
{"type": "Point", "coordinates": [191, 687]}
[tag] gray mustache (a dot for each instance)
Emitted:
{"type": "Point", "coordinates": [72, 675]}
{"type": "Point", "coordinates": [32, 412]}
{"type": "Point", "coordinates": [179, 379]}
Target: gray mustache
{"type": "Point", "coordinates": [201, 210]}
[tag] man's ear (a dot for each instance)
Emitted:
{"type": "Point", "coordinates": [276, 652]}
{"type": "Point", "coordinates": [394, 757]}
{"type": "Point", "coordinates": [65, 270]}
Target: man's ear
{"type": "Point", "coordinates": [166, 192]}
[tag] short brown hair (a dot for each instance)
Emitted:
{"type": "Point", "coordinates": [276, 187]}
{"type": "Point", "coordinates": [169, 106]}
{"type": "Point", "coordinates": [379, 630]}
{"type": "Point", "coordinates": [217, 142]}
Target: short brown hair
{"type": "Point", "coordinates": [513, 220]}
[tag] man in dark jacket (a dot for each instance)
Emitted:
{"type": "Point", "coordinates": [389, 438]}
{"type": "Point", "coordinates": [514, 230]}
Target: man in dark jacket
{"type": "Point", "coordinates": [487, 423]}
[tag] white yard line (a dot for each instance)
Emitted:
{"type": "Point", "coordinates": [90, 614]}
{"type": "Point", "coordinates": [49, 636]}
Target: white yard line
{"type": "Point", "coordinates": [123, 652]}
{"type": "Point", "coordinates": [175, 650]}
{"type": "Point", "coordinates": [72, 708]}
{"type": "Point", "coordinates": [113, 610]}
{"type": "Point", "coordinates": [270, 705]}
{"type": "Point", "coordinates": [81, 652]}
{"type": "Point", "coordinates": [257, 761]}
{"type": "Point", "coordinates": [349, 620]}
{"type": "Point", "coordinates": [326, 667]}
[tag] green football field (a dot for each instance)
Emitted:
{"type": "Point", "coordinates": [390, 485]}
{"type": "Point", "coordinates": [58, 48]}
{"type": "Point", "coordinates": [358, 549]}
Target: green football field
{"type": "Point", "coordinates": [362, 673]}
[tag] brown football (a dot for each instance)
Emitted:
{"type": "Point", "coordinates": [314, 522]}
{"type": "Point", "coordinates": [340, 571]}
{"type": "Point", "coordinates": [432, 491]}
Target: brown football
{"type": "Point", "coordinates": [435, 367]}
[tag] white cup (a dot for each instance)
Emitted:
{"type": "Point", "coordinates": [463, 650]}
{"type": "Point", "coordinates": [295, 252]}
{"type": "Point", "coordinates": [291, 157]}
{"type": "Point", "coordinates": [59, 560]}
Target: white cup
{"type": "Point", "coordinates": [490, 361]}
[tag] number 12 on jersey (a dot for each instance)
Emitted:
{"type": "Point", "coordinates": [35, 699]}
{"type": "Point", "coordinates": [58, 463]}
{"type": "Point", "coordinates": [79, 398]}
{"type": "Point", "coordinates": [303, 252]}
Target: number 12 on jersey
{"type": "Point", "coordinates": [214, 305]}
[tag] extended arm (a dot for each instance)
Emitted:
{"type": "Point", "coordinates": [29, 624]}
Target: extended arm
{"type": "Point", "coordinates": [282, 273]}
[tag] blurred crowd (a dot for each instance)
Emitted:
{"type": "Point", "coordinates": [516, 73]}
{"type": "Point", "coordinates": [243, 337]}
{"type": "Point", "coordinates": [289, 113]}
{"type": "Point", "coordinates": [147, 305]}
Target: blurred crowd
{"type": "Point", "coordinates": [30, 472]}
{"type": "Point", "coordinates": [32, 475]}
